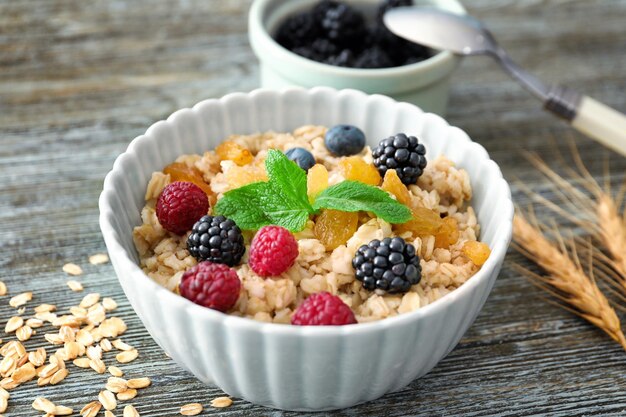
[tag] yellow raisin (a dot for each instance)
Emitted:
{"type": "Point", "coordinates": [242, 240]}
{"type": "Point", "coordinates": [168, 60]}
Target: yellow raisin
{"type": "Point", "coordinates": [333, 227]}
{"type": "Point", "coordinates": [232, 151]}
{"type": "Point", "coordinates": [179, 171]}
{"type": "Point", "coordinates": [237, 176]}
{"type": "Point", "coordinates": [425, 222]}
{"type": "Point", "coordinates": [316, 180]}
{"type": "Point", "coordinates": [356, 169]}
{"type": "Point", "coordinates": [448, 233]}
{"type": "Point", "coordinates": [393, 185]}
{"type": "Point", "coordinates": [477, 252]}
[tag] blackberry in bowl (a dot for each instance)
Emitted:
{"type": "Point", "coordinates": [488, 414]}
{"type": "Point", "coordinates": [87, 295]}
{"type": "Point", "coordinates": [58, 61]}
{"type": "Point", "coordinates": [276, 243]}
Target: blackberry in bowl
{"type": "Point", "coordinates": [344, 44]}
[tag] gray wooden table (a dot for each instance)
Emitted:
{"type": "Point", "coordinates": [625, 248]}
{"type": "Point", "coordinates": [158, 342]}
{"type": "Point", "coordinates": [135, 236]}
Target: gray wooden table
{"type": "Point", "coordinates": [79, 79]}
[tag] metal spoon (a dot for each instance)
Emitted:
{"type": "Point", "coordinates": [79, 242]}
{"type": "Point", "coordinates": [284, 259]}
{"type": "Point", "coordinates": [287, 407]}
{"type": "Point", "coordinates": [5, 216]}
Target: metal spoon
{"type": "Point", "coordinates": [465, 35]}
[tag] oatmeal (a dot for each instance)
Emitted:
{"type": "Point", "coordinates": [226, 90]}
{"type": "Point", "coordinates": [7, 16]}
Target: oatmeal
{"type": "Point", "coordinates": [440, 233]}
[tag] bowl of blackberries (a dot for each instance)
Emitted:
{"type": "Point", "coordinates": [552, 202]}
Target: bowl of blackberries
{"type": "Point", "coordinates": [345, 44]}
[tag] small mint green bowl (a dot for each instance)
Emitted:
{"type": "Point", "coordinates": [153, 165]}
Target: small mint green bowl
{"type": "Point", "coordinates": [425, 84]}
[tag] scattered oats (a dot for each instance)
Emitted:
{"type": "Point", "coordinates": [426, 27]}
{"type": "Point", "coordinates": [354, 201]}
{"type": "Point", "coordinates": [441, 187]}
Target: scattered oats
{"type": "Point", "coordinates": [7, 366]}
{"type": "Point", "coordinates": [129, 394]}
{"type": "Point", "coordinates": [119, 345]}
{"type": "Point", "coordinates": [13, 324]}
{"type": "Point", "coordinates": [107, 399]}
{"type": "Point", "coordinates": [24, 373]}
{"type": "Point", "coordinates": [61, 410]}
{"type": "Point", "coordinates": [3, 288]}
{"type": "Point", "coordinates": [78, 312]}
{"type": "Point", "coordinates": [45, 308]}
{"type": "Point", "coordinates": [109, 304]}
{"type": "Point", "coordinates": [21, 299]}
{"type": "Point", "coordinates": [34, 323]}
{"type": "Point", "coordinates": [84, 337]}
{"type": "Point", "coordinates": [48, 370]}
{"type": "Point", "coordinates": [98, 366]}
{"type": "Point", "coordinates": [46, 316]}
{"type": "Point", "coordinates": [56, 360]}
{"type": "Point", "coordinates": [23, 360]}
{"type": "Point", "coordinates": [127, 356]}
{"type": "Point", "coordinates": [8, 383]}
{"type": "Point", "coordinates": [53, 338]}
{"type": "Point", "coordinates": [106, 345]}
{"type": "Point", "coordinates": [43, 404]}
{"type": "Point", "coordinates": [91, 409]}
{"type": "Point", "coordinates": [94, 352]}
{"type": "Point", "coordinates": [67, 320]}
{"type": "Point", "coordinates": [99, 259]}
{"type": "Point", "coordinates": [108, 413]}
{"type": "Point", "coordinates": [67, 334]}
{"type": "Point", "coordinates": [37, 357]}
{"type": "Point", "coordinates": [19, 348]}
{"type": "Point", "coordinates": [21, 310]}
{"type": "Point", "coordinates": [43, 381]}
{"type": "Point", "coordinates": [130, 411]}
{"type": "Point", "coordinates": [139, 383]}
{"type": "Point", "coordinates": [58, 376]}
{"type": "Point", "coordinates": [192, 409]}
{"type": "Point", "coordinates": [89, 300]}
{"type": "Point", "coordinates": [24, 333]}
{"type": "Point", "coordinates": [82, 362]}
{"type": "Point", "coordinates": [75, 285]}
{"type": "Point", "coordinates": [72, 350]}
{"type": "Point", "coordinates": [72, 269]}
{"type": "Point", "coordinates": [4, 393]}
{"type": "Point", "coordinates": [221, 402]}
{"type": "Point", "coordinates": [4, 403]}
{"type": "Point", "coordinates": [115, 371]}
{"type": "Point", "coordinates": [96, 314]}
{"type": "Point", "coordinates": [112, 327]}
{"type": "Point", "coordinates": [116, 384]}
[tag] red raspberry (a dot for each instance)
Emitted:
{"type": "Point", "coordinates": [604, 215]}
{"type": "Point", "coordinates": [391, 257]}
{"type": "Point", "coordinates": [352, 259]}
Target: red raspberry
{"type": "Point", "coordinates": [211, 285]}
{"type": "Point", "coordinates": [323, 309]}
{"type": "Point", "coordinates": [272, 251]}
{"type": "Point", "coordinates": [180, 206]}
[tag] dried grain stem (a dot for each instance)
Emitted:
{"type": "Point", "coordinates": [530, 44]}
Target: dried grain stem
{"type": "Point", "coordinates": [566, 280]}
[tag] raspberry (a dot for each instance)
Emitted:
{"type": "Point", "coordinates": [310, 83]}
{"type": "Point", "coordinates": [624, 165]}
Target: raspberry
{"type": "Point", "coordinates": [180, 205]}
{"type": "Point", "coordinates": [210, 285]}
{"type": "Point", "coordinates": [272, 251]}
{"type": "Point", "coordinates": [323, 309]}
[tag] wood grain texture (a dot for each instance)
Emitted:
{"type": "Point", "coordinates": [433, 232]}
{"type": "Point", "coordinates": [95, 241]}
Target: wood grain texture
{"type": "Point", "coordinates": [79, 80]}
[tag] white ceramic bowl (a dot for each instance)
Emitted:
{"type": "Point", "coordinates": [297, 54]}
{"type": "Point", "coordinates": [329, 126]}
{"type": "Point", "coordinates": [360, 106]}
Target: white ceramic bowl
{"type": "Point", "coordinates": [424, 84]}
{"type": "Point", "coordinates": [294, 367]}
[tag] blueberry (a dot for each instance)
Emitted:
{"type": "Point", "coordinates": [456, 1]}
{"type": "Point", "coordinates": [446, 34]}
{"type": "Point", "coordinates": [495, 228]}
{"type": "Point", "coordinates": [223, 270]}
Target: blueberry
{"type": "Point", "coordinates": [302, 157]}
{"type": "Point", "coordinates": [344, 140]}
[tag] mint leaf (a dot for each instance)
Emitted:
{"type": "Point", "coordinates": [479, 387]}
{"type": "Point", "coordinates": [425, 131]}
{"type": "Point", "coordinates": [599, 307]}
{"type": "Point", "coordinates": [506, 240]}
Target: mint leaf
{"type": "Point", "coordinates": [239, 205]}
{"type": "Point", "coordinates": [282, 200]}
{"type": "Point", "coordinates": [356, 196]}
{"type": "Point", "coordinates": [288, 179]}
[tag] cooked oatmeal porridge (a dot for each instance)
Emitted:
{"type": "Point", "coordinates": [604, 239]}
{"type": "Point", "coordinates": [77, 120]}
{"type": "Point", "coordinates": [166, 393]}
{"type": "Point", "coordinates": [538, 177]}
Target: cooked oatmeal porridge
{"type": "Point", "coordinates": [443, 229]}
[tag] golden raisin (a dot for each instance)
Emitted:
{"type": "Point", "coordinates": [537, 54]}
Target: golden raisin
{"type": "Point", "coordinates": [393, 185]}
{"type": "Point", "coordinates": [448, 233]}
{"type": "Point", "coordinates": [424, 222]}
{"type": "Point", "coordinates": [356, 169]}
{"type": "Point", "coordinates": [232, 151]}
{"type": "Point", "coordinates": [317, 180]}
{"type": "Point", "coordinates": [179, 171]}
{"type": "Point", "coordinates": [333, 227]}
{"type": "Point", "coordinates": [237, 176]}
{"type": "Point", "coordinates": [477, 252]}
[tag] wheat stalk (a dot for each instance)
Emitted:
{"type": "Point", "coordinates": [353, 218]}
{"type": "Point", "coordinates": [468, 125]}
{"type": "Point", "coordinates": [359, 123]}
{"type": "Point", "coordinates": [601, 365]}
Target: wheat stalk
{"type": "Point", "coordinates": [566, 279]}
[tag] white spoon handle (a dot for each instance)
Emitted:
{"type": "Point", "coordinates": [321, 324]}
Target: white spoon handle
{"type": "Point", "coordinates": [602, 123]}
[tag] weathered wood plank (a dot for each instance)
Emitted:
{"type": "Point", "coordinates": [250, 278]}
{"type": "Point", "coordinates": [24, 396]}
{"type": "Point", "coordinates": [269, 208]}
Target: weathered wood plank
{"type": "Point", "coordinates": [79, 80]}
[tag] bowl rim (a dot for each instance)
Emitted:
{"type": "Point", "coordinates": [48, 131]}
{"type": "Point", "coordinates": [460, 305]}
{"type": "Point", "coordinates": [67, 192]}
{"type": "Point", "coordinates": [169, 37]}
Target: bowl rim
{"type": "Point", "coordinates": [120, 257]}
{"type": "Point", "coordinates": [261, 39]}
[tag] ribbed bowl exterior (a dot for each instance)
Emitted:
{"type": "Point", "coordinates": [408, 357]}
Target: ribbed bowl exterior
{"type": "Point", "coordinates": [293, 367]}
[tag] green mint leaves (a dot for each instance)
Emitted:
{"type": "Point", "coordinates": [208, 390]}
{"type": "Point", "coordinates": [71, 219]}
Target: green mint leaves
{"type": "Point", "coordinates": [356, 196]}
{"type": "Point", "coordinates": [283, 199]}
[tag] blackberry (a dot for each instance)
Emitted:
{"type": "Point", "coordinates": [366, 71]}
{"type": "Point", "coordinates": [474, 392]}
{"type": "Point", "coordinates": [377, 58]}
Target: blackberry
{"type": "Point", "coordinates": [298, 30]}
{"type": "Point", "coordinates": [374, 57]}
{"type": "Point", "coordinates": [216, 239]}
{"type": "Point", "coordinates": [340, 22]}
{"type": "Point", "coordinates": [402, 153]}
{"type": "Point", "coordinates": [344, 59]}
{"type": "Point", "coordinates": [390, 265]}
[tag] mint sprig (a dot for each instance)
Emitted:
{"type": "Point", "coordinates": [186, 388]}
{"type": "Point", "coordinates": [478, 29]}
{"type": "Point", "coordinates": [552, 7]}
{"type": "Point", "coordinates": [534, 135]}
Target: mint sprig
{"type": "Point", "coordinates": [283, 201]}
